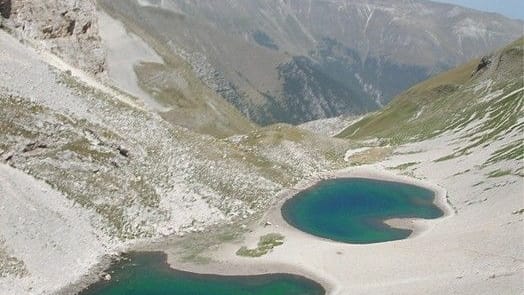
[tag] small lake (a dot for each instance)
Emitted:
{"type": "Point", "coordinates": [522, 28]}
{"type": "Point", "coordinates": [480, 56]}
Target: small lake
{"type": "Point", "coordinates": [353, 210]}
{"type": "Point", "coordinates": [147, 273]}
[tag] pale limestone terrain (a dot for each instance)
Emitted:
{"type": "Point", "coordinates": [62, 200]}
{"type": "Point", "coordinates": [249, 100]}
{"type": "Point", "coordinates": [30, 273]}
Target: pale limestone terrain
{"type": "Point", "coordinates": [124, 51]}
{"type": "Point", "coordinates": [87, 171]}
{"type": "Point", "coordinates": [54, 252]}
{"type": "Point", "coordinates": [476, 249]}
{"type": "Point", "coordinates": [68, 28]}
{"type": "Point", "coordinates": [126, 175]}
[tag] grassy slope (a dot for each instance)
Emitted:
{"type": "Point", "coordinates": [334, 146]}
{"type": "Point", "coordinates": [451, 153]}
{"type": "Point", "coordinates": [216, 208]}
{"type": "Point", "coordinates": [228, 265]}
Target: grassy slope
{"type": "Point", "coordinates": [486, 106]}
{"type": "Point", "coordinates": [480, 107]}
{"type": "Point", "coordinates": [394, 122]}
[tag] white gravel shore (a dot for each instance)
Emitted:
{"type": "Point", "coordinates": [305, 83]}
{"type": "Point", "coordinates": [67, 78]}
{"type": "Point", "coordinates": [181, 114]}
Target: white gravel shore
{"type": "Point", "coordinates": [477, 250]}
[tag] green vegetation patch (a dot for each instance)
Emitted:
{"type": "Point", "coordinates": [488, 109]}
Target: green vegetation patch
{"type": "Point", "coordinates": [194, 247]}
{"type": "Point", "coordinates": [265, 245]}
{"type": "Point", "coordinates": [370, 156]}
{"type": "Point", "coordinates": [404, 166]}
{"type": "Point", "coordinates": [462, 172]}
{"type": "Point", "coordinates": [499, 173]}
{"type": "Point", "coordinates": [512, 151]}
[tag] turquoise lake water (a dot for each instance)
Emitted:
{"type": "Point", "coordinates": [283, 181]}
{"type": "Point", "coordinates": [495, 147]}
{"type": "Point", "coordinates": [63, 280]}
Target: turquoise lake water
{"type": "Point", "coordinates": [147, 273]}
{"type": "Point", "coordinates": [352, 210]}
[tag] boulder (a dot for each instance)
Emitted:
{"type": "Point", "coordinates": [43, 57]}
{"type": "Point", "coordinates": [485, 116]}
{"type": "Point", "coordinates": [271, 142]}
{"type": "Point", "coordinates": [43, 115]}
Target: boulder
{"type": "Point", "coordinates": [123, 151]}
{"type": "Point", "coordinates": [485, 61]}
{"type": "Point", "coordinates": [105, 276]}
{"type": "Point", "coordinates": [8, 156]}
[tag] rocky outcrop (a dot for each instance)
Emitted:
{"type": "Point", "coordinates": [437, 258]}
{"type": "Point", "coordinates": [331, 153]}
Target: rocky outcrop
{"type": "Point", "coordinates": [309, 93]}
{"type": "Point", "coordinates": [68, 28]}
{"type": "Point", "coordinates": [5, 8]}
{"type": "Point", "coordinates": [485, 61]}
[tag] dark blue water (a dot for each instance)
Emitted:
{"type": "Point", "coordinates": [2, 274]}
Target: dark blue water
{"type": "Point", "coordinates": [353, 210]}
{"type": "Point", "coordinates": [147, 273]}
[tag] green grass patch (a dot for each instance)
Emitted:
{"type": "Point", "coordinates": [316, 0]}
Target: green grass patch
{"type": "Point", "coordinates": [512, 151]}
{"type": "Point", "coordinates": [193, 247]}
{"type": "Point", "coordinates": [478, 183]}
{"type": "Point", "coordinates": [499, 173]}
{"type": "Point", "coordinates": [83, 147]}
{"type": "Point", "coordinates": [405, 166]}
{"type": "Point", "coordinates": [265, 245]}
{"type": "Point", "coordinates": [462, 172]}
{"type": "Point", "coordinates": [445, 158]}
{"type": "Point", "coordinates": [370, 156]}
{"type": "Point", "coordinates": [452, 101]}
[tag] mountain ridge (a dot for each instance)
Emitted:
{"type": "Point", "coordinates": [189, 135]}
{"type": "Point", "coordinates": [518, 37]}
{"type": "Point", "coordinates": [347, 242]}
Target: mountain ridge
{"type": "Point", "coordinates": [409, 39]}
{"type": "Point", "coordinates": [88, 170]}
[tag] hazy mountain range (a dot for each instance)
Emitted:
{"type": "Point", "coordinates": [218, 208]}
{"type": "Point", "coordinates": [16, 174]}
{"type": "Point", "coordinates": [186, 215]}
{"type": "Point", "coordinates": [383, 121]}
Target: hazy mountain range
{"type": "Point", "coordinates": [294, 61]}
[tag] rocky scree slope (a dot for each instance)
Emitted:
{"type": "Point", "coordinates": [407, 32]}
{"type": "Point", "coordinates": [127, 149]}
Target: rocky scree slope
{"type": "Point", "coordinates": [132, 174]}
{"type": "Point", "coordinates": [68, 28]}
{"type": "Point", "coordinates": [271, 58]}
{"type": "Point", "coordinates": [165, 83]}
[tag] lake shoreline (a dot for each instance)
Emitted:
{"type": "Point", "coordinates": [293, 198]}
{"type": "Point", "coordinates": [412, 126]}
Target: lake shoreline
{"type": "Point", "coordinates": [139, 272]}
{"type": "Point", "coordinates": [230, 264]}
{"type": "Point", "coordinates": [226, 262]}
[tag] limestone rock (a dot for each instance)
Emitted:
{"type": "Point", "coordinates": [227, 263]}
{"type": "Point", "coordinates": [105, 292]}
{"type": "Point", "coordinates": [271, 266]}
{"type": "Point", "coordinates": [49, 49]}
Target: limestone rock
{"type": "Point", "coordinates": [68, 28]}
{"type": "Point", "coordinates": [105, 276]}
{"type": "Point", "coordinates": [123, 151]}
{"type": "Point", "coordinates": [5, 8]}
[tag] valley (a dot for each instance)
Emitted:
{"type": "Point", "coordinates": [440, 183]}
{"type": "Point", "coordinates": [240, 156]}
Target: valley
{"type": "Point", "coordinates": [179, 127]}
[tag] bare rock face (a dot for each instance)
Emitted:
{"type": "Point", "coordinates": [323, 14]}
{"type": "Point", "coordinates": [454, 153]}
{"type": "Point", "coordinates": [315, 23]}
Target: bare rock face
{"type": "Point", "coordinates": [68, 28]}
{"type": "Point", "coordinates": [5, 8]}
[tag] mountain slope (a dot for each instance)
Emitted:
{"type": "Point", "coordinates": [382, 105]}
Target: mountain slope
{"type": "Point", "coordinates": [86, 158]}
{"type": "Point", "coordinates": [92, 41]}
{"type": "Point", "coordinates": [67, 28]}
{"type": "Point", "coordinates": [481, 102]}
{"type": "Point", "coordinates": [248, 50]}
{"type": "Point", "coordinates": [88, 170]}
{"type": "Point", "coordinates": [463, 131]}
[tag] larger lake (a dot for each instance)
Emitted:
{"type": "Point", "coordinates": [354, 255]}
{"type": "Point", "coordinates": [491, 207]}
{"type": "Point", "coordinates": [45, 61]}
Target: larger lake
{"type": "Point", "coordinates": [353, 210]}
{"type": "Point", "coordinates": [147, 273]}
